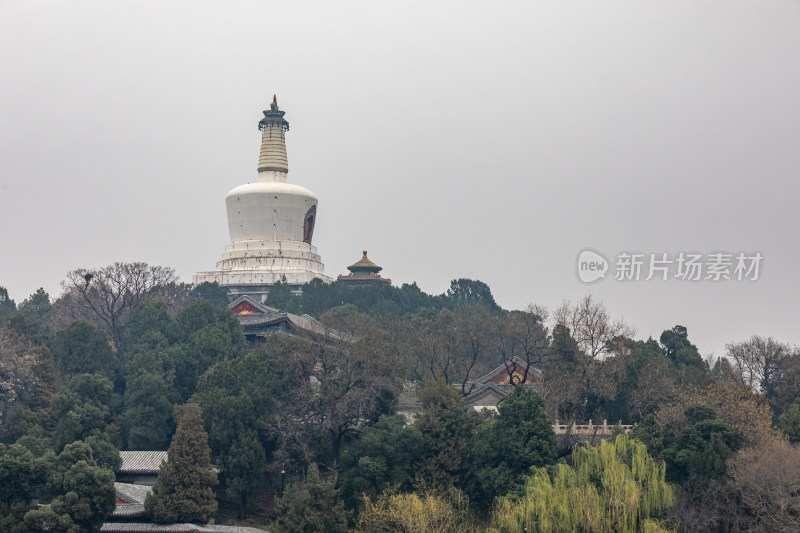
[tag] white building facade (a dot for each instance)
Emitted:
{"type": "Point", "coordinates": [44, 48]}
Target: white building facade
{"type": "Point", "coordinates": [271, 224]}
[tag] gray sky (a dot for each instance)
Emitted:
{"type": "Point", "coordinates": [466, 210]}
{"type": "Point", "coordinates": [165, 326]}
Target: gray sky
{"type": "Point", "coordinates": [491, 140]}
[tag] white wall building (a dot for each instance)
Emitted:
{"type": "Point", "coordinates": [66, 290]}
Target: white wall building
{"type": "Point", "coordinates": [271, 223]}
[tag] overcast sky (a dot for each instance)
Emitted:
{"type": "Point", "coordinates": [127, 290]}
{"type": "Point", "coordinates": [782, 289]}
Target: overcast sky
{"type": "Point", "coordinates": [489, 140]}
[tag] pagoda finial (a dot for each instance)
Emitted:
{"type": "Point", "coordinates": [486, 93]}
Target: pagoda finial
{"type": "Point", "coordinates": [365, 253]}
{"type": "Point", "coordinates": [273, 116]}
{"type": "Point", "coordinates": [272, 162]}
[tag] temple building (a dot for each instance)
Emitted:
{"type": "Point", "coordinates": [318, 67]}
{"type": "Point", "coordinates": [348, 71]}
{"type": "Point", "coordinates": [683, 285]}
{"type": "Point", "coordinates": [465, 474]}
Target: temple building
{"type": "Point", "coordinates": [362, 272]}
{"type": "Point", "coordinates": [260, 321]}
{"type": "Point", "coordinates": [271, 224]}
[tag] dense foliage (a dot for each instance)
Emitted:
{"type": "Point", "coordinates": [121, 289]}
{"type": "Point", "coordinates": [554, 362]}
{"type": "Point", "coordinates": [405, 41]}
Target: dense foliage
{"type": "Point", "coordinates": [320, 429]}
{"type": "Point", "coordinates": [183, 492]}
{"type": "Point", "coordinates": [614, 487]}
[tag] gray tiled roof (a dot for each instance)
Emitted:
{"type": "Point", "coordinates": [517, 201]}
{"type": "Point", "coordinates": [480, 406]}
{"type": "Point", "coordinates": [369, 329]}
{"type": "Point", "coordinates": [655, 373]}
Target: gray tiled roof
{"type": "Point", "coordinates": [128, 510]}
{"type": "Point", "coordinates": [141, 462]}
{"type": "Point", "coordinates": [408, 397]}
{"type": "Point", "coordinates": [111, 527]}
{"type": "Point", "coordinates": [267, 319]}
{"type": "Point", "coordinates": [270, 316]}
{"type": "Point", "coordinates": [496, 389]}
{"type": "Point", "coordinates": [211, 528]}
{"type": "Point", "coordinates": [132, 493]}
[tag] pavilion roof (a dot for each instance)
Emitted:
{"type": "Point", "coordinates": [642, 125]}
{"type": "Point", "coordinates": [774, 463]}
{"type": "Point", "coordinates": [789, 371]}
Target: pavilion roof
{"type": "Point", "coordinates": [364, 264]}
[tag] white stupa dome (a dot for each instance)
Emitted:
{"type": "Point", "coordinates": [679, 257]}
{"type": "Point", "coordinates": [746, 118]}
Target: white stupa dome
{"type": "Point", "coordinates": [271, 223]}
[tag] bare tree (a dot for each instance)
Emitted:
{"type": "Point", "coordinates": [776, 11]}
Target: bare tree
{"type": "Point", "coordinates": [433, 342]}
{"type": "Point", "coordinates": [588, 350]}
{"type": "Point", "coordinates": [111, 293]}
{"type": "Point", "coordinates": [655, 387]}
{"type": "Point", "coordinates": [356, 372]}
{"type": "Point", "coordinates": [521, 336]}
{"type": "Point", "coordinates": [471, 339]}
{"type": "Point", "coordinates": [758, 362]}
{"type": "Point", "coordinates": [768, 481]}
{"type": "Point", "coordinates": [453, 345]}
{"type": "Point", "coordinates": [591, 326]}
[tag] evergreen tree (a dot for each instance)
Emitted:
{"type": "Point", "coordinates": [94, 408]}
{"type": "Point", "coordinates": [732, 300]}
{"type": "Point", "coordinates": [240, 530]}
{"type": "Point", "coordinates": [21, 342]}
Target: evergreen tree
{"type": "Point", "coordinates": [31, 414]}
{"type": "Point", "coordinates": [471, 291]}
{"type": "Point", "coordinates": [81, 408]}
{"type": "Point", "coordinates": [84, 494]}
{"type": "Point", "coordinates": [209, 335]}
{"type": "Point", "coordinates": [680, 350]}
{"type": "Point", "coordinates": [147, 319]}
{"type": "Point", "coordinates": [87, 488]}
{"type": "Point", "coordinates": [147, 418]}
{"type": "Point", "coordinates": [84, 349]}
{"type": "Point", "coordinates": [23, 472]}
{"type": "Point", "coordinates": [236, 396]}
{"type": "Point", "coordinates": [448, 429]}
{"type": "Point", "coordinates": [384, 455]}
{"type": "Point", "coordinates": [7, 306]}
{"type": "Point", "coordinates": [311, 506]}
{"type": "Point", "coordinates": [29, 318]}
{"type": "Point", "coordinates": [281, 297]}
{"type": "Point", "coordinates": [508, 445]}
{"type": "Point", "coordinates": [183, 491]}
{"type": "Point", "coordinates": [789, 422]}
{"type": "Point", "coordinates": [212, 292]}
{"type": "Point", "coordinates": [703, 446]}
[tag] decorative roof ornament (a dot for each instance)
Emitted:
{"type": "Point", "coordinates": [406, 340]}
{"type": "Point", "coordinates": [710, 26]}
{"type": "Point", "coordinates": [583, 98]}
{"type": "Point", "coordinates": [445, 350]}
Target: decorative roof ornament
{"type": "Point", "coordinates": [273, 117]}
{"type": "Point", "coordinates": [364, 265]}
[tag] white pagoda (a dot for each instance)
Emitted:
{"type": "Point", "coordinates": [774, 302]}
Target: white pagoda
{"type": "Point", "coordinates": [271, 223]}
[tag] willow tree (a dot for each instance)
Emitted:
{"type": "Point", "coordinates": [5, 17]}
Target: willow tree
{"type": "Point", "coordinates": [429, 512]}
{"type": "Point", "coordinates": [613, 487]}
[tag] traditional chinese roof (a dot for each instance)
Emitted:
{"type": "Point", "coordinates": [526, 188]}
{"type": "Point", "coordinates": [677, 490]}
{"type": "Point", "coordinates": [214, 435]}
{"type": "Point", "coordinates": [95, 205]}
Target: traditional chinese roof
{"type": "Point", "coordinates": [500, 374]}
{"type": "Point", "coordinates": [364, 264]}
{"type": "Point", "coordinates": [488, 394]}
{"type": "Point", "coordinates": [409, 397]}
{"type": "Point", "coordinates": [363, 270]}
{"type": "Point", "coordinates": [128, 510]}
{"type": "Point", "coordinates": [142, 527]}
{"type": "Point", "coordinates": [132, 493]}
{"type": "Point", "coordinates": [269, 319]}
{"type": "Point", "coordinates": [141, 462]}
{"type": "Point", "coordinates": [245, 305]}
{"type": "Point", "coordinates": [253, 315]}
{"type": "Point", "coordinates": [121, 527]}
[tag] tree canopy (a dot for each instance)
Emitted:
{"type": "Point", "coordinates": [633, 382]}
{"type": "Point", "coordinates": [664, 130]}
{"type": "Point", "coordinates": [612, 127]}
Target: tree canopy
{"type": "Point", "coordinates": [611, 487]}
{"type": "Point", "coordinates": [183, 491]}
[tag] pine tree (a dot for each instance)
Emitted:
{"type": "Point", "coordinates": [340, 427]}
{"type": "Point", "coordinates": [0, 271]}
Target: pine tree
{"type": "Point", "coordinates": [281, 297]}
{"type": "Point", "coordinates": [183, 491]}
{"type": "Point", "coordinates": [448, 430]}
{"type": "Point", "coordinates": [508, 445]}
{"type": "Point", "coordinates": [311, 506]}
